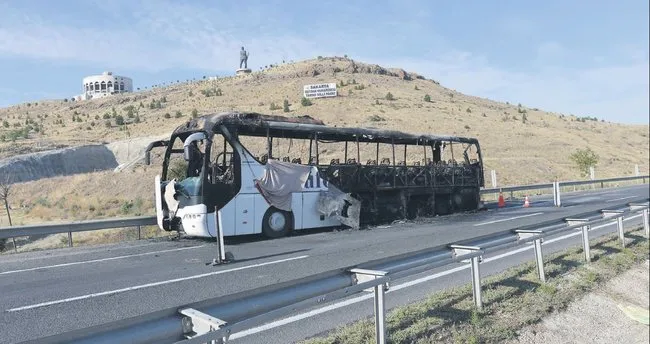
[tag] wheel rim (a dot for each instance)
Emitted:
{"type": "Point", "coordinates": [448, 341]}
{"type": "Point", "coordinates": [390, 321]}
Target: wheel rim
{"type": "Point", "coordinates": [277, 222]}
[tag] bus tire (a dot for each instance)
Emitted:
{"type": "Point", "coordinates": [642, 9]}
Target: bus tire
{"type": "Point", "coordinates": [276, 223]}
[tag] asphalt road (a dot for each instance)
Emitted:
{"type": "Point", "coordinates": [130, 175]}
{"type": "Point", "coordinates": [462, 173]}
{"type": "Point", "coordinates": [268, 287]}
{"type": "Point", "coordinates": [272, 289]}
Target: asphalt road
{"type": "Point", "coordinates": [44, 293]}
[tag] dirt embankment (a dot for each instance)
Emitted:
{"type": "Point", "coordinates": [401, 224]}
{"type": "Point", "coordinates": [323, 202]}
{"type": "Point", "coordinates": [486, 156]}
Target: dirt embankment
{"type": "Point", "coordinates": [74, 160]}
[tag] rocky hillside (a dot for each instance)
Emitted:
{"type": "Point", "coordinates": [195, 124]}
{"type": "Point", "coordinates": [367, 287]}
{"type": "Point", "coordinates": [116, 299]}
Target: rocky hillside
{"type": "Point", "coordinates": [523, 144]}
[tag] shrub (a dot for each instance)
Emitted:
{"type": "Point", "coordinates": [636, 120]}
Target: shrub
{"type": "Point", "coordinates": [584, 159]}
{"type": "Point", "coordinates": [167, 115]}
{"type": "Point", "coordinates": [119, 120]}
{"type": "Point", "coordinates": [376, 118]}
{"type": "Point", "coordinates": [195, 113]}
{"type": "Point", "coordinates": [305, 101]}
{"type": "Point", "coordinates": [273, 106]}
{"type": "Point", "coordinates": [468, 110]}
{"type": "Point", "coordinates": [427, 98]}
{"type": "Point", "coordinates": [416, 88]}
{"type": "Point", "coordinates": [285, 105]}
{"type": "Point", "coordinates": [389, 96]}
{"type": "Point", "coordinates": [178, 114]}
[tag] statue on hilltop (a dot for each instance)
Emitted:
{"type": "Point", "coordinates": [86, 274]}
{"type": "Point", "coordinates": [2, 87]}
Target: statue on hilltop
{"type": "Point", "coordinates": [243, 58]}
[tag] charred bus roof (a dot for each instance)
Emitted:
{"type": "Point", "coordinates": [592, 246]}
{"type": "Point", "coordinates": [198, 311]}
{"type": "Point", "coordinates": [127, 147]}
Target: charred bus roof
{"type": "Point", "coordinates": [303, 127]}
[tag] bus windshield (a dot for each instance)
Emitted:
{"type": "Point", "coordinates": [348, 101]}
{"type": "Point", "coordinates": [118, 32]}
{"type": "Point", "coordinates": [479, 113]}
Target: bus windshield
{"type": "Point", "coordinates": [186, 165]}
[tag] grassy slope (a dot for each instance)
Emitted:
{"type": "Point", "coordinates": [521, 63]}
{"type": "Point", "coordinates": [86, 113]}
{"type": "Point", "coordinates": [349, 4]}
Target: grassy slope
{"type": "Point", "coordinates": [530, 152]}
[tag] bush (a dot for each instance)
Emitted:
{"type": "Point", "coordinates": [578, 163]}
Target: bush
{"type": "Point", "coordinates": [178, 114]}
{"type": "Point", "coordinates": [427, 98]}
{"type": "Point", "coordinates": [119, 120]}
{"type": "Point", "coordinates": [468, 110]}
{"type": "Point", "coordinates": [305, 101]}
{"type": "Point", "coordinates": [195, 113]}
{"type": "Point", "coordinates": [389, 96]}
{"type": "Point", "coordinates": [376, 118]}
{"type": "Point", "coordinates": [584, 159]}
{"type": "Point", "coordinates": [273, 106]}
{"type": "Point", "coordinates": [285, 105]}
{"type": "Point", "coordinates": [167, 115]}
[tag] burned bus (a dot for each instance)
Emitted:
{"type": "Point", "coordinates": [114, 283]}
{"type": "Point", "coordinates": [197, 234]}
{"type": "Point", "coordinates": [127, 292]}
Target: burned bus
{"type": "Point", "coordinates": [249, 173]}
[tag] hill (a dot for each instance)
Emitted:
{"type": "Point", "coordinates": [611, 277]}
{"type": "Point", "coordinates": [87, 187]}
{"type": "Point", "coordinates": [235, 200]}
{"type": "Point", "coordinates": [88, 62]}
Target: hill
{"type": "Point", "coordinates": [524, 145]}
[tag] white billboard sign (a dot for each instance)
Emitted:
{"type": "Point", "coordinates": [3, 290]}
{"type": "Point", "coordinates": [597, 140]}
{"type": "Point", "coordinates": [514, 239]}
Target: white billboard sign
{"type": "Point", "coordinates": [320, 90]}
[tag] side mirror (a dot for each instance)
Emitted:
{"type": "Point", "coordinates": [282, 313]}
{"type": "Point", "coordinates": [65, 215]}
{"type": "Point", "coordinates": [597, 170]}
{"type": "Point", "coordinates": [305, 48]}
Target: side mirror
{"type": "Point", "coordinates": [188, 153]}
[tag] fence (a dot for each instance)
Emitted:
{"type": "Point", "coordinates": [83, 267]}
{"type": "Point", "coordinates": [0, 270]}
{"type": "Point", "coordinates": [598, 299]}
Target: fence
{"type": "Point", "coordinates": [137, 222]}
{"type": "Point", "coordinates": [217, 319]}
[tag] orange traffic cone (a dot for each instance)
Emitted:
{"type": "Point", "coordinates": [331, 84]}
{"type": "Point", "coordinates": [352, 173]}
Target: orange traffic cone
{"type": "Point", "coordinates": [502, 202]}
{"type": "Point", "coordinates": [526, 203]}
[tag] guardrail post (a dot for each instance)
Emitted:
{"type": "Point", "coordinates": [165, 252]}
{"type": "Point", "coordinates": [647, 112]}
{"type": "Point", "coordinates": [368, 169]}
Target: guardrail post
{"type": "Point", "coordinates": [646, 222]}
{"type": "Point", "coordinates": [585, 236]}
{"type": "Point", "coordinates": [556, 194]}
{"type": "Point", "coordinates": [222, 255]}
{"type": "Point", "coordinates": [537, 241]}
{"type": "Point", "coordinates": [619, 222]}
{"type": "Point", "coordinates": [474, 259]}
{"type": "Point", "coordinates": [364, 275]}
{"type": "Point", "coordinates": [139, 233]}
{"type": "Point", "coordinates": [69, 239]}
{"type": "Point", "coordinates": [493, 174]}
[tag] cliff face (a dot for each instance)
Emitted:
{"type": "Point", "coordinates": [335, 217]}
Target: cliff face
{"type": "Point", "coordinates": [57, 162]}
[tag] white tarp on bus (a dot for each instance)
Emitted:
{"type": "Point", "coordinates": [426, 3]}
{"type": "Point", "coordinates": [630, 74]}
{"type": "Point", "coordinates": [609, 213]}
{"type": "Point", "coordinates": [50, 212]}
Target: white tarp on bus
{"type": "Point", "coordinates": [280, 179]}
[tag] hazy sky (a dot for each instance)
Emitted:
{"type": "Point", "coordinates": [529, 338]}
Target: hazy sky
{"type": "Point", "coordinates": [588, 58]}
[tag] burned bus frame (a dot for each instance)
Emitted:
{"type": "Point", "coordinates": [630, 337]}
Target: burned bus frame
{"type": "Point", "coordinates": [387, 189]}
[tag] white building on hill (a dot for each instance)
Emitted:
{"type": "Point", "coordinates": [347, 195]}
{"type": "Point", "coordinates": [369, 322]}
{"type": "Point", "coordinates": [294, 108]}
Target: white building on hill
{"type": "Point", "coordinates": [97, 86]}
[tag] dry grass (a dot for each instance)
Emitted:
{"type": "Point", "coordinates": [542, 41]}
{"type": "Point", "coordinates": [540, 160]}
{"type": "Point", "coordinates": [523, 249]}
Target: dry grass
{"type": "Point", "coordinates": [84, 196]}
{"type": "Point", "coordinates": [531, 152]}
{"type": "Point", "coordinates": [513, 300]}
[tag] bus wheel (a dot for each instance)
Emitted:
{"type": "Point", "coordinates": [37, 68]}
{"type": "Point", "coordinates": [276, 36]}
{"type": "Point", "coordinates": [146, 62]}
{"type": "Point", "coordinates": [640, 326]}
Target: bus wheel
{"type": "Point", "coordinates": [276, 223]}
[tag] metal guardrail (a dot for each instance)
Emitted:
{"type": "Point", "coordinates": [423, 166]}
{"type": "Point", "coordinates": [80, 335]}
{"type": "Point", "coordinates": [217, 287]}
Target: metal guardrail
{"type": "Point", "coordinates": [562, 184]}
{"type": "Point", "coordinates": [45, 229]}
{"type": "Point", "coordinates": [81, 226]}
{"type": "Point", "coordinates": [217, 319]}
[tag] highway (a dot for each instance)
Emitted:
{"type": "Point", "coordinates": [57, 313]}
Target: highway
{"type": "Point", "coordinates": [44, 293]}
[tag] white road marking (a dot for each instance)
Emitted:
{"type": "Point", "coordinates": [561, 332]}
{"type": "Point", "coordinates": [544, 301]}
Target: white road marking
{"type": "Point", "coordinates": [508, 219]}
{"type": "Point", "coordinates": [142, 286]}
{"type": "Point", "coordinates": [100, 260]}
{"type": "Point", "coordinates": [620, 199]}
{"type": "Point", "coordinates": [357, 299]}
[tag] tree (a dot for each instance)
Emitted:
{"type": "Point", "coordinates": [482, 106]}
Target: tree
{"type": "Point", "coordinates": [584, 159]}
{"type": "Point", "coordinates": [5, 192]}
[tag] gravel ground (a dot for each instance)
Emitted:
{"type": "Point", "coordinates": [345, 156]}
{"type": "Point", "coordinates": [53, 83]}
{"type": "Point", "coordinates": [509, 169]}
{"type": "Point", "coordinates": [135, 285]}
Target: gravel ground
{"type": "Point", "coordinates": [597, 317]}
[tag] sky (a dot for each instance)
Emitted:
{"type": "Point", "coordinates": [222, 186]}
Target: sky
{"type": "Point", "coordinates": [588, 58]}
